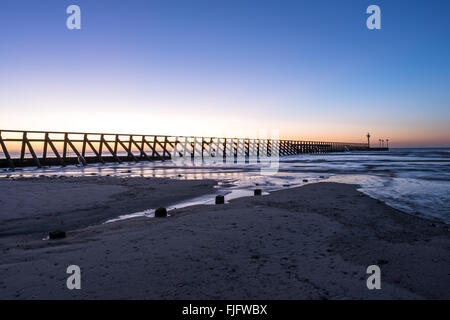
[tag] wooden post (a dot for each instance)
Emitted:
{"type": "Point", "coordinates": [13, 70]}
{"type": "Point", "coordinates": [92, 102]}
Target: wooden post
{"type": "Point", "coordinates": [165, 148]}
{"type": "Point", "coordinates": [224, 149]}
{"type": "Point", "coordinates": [247, 148]}
{"type": "Point", "coordinates": [143, 147]}
{"type": "Point", "coordinates": [154, 146]}
{"type": "Point", "coordinates": [5, 151]}
{"type": "Point", "coordinates": [129, 143]}
{"type": "Point", "coordinates": [83, 151]}
{"type": "Point", "coordinates": [22, 152]}
{"type": "Point", "coordinates": [116, 143]}
{"type": "Point", "coordinates": [65, 146]}
{"type": "Point", "coordinates": [44, 153]}
{"type": "Point", "coordinates": [100, 147]}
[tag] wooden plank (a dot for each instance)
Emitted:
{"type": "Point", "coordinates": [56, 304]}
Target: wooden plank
{"type": "Point", "coordinates": [99, 157]}
{"type": "Point", "coordinates": [80, 157]}
{"type": "Point", "coordinates": [156, 141]}
{"type": "Point", "coordinates": [55, 151]}
{"type": "Point", "coordinates": [170, 143]}
{"type": "Point", "coordinates": [111, 150]}
{"type": "Point", "coordinates": [36, 160]}
{"type": "Point", "coordinates": [163, 146]}
{"type": "Point", "coordinates": [127, 150]}
{"type": "Point", "coordinates": [141, 150]}
{"type": "Point", "coordinates": [153, 148]}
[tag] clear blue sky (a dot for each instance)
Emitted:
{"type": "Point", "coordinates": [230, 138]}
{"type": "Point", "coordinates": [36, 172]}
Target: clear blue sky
{"type": "Point", "coordinates": [310, 69]}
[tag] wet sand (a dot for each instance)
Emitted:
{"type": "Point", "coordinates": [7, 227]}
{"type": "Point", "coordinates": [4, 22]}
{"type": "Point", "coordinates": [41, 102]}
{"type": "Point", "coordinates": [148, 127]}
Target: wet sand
{"type": "Point", "coordinates": [311, 242]}
{"type": "Point", "coordinates": [31, 206]}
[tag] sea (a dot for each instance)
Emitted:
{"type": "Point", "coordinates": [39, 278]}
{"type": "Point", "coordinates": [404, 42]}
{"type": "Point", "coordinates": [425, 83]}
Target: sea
{"type": "Point", "coordinates": [415, 181]}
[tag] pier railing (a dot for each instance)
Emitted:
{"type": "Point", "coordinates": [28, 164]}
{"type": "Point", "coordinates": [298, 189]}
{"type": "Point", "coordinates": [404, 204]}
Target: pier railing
{"type": "Point", "coordinates": [41, 148]}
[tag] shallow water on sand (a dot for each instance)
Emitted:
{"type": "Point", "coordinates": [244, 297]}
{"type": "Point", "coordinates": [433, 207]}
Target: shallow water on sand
{"type": "Point", "coordinates": [416, 181]}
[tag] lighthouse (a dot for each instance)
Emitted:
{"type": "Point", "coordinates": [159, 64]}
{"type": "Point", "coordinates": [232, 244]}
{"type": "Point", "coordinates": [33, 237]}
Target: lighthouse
{"type": "Point", "coordinates": [368, 140]}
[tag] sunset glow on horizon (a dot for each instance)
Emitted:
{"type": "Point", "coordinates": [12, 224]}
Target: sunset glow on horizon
{"type": "Point", "coordinates": [312, 71]}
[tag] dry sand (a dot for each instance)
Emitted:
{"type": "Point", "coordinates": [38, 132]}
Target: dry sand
{"type": "Point", "coordinates": [312, 242]}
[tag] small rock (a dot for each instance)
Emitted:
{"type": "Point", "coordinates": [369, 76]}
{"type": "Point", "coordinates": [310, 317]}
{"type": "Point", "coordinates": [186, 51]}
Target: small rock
{"type": "Point", "coordinates": [382, 261]}
{"type": "Point", "coordinates": [161, 213]}
{"type": "Point", "coordinates": [57, 234]}
{"type": "Point", "coordinates": [305, 180]}
{"type": "Point", "coordinates": [257, 192]}
{"type": "Point", "coordinates": [220, 199]}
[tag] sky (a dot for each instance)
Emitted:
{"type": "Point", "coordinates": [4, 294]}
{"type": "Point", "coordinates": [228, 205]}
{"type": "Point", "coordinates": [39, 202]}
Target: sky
{"type": "Point", "coordinates": [310, 70]}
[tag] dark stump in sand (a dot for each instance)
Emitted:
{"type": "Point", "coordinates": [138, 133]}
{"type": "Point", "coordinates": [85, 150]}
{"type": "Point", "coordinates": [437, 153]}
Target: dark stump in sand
{"type": "Point", "coordinates": [57, 234]}
{"type": "Point", "coordinates": [257, 192]}
{"type": "Point", "coordinates": [161, 213]}
{"type": "Point", "coordinates": [305, 180]}
{"type": "Point", "coordinates": [220, 199]}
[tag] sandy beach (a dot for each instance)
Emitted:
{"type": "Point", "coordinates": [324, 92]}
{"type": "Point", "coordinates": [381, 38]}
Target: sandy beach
{"type": "Point", "coordinates": [32, 206]}
{"type": "Point", "coordinates": [312, 242]}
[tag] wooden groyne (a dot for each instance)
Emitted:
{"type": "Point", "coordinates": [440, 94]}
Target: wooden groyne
{"type": "Point", "coordinates": [40, 148]}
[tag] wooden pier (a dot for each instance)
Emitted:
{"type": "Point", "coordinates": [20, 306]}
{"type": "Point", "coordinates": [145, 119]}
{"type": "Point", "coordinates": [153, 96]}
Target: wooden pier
{"type": "Point", "coordinates": [40, 148]}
